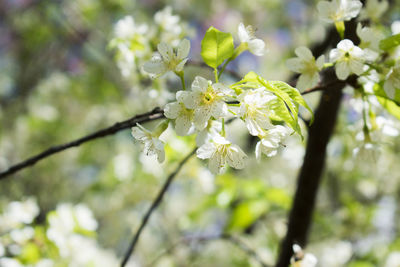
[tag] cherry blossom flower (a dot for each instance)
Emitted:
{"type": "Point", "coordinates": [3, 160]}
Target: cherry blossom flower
{"type": "Point", "coordinates": [167, 60]}
{"type": "Point", "coordinates": [348, 58]}
{"type": "Point", "coordinates": [207, 100]}
{"type": "Point", "coordinates": [220, 151]}
{"type": "Point", "coordinates": [152, 144]}
{"type": "Point", "coordinates": [301, 259]}
{"type": "Point", "coordinates": [254, 110]}
{"type": "Point", "coordinates": [309, 68]}
{"type": "Point", "coordinates": [270, 141]}
{"type": "Point", "coordinates": [338, 10]}
{"type": "Point", "coordinates": [182, 115]}
{"type": "Point", "coordinates": [246, 36]}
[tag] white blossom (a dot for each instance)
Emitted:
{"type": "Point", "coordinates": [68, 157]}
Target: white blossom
{"type": "Point", "coordinates": [182, 115]}
{"type": "Point", "coordinates": [165, 19]}
{"type": "Point", "coordinates": [374, 9]}
{"type": "Point", "coordinates": [254, 110]}
{"type": "Point", "coordinates": [207, 100]}
{"type": "Point", "coordinates": [302, 259]}
{"type": "Point", "coordinates": [126, 28]}
{"type": "Point", "coordinates": [270, 141]}
{"type": "Point", "coordinates": [309, 68]}
{"type": "Point", "coordinates": [338, 10]}
{"type": "Point", "coordinates": [395, 27]}
{"type": "Point", "coordinates": [213, 128]}
{"type": "Point", "coordinates": [392, 81]}
{"type": "Point", "coordinates": [246, 36]}
{"type": "Point", "coordinates": [220, 151]}
{"type": "Point", "coordinates": [22, 212]}
{"type": "Point", "coordinates": [348, 58]}
{"type": "Point", "coordinates": [370, 39]}
{"type": "Point", "coordinates": [167, 60]}
{"type": "Point", "coordinates": [152, 144]}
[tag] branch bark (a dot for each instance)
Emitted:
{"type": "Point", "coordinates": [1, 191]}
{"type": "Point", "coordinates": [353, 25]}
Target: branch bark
{"type": "Point", "coordinates": [153, 207]}
{"type": "Point", "coordinates": [311, 171]}
{"type": "Point", "coordinates": [155, 114]}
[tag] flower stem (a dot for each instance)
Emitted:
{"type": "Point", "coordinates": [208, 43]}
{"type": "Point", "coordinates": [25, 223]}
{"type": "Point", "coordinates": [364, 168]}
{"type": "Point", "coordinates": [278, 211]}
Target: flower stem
{"type": "Point", "coordinates": [224, 66]}
{"type": "Point", "coordinates": [216, 75]}
{"type": "Point", "coordinates": [182, 76]}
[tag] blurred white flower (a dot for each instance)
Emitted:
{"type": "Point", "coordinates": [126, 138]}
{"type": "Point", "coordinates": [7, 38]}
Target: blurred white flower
{"type": "Point", "coordinates": [183, 116]}
{"type": "Point", "coordinates": [126, 28]}
{"type": "Point", "coordinates": [2, 250]}
{"type": "Point", "coordinates": [270, 141]}
{"type": "Point", "coordinates": [348, 58]}
{"type": "Point", "coordinates": [220, 151]}
{"type": "Point", "coordinates": [395, 27]}
{"type": "Point", "coordinates": [20, 236]}
{"type": "Point", "coordinates": [392, 81]}
{"type": "Point", "coordinates": [22, 212]}
{"type": "Point", "coordinates": [9, 262]}
{"type": "Point", "coordinates": [254, 110]}
{"type": "Point", "coordinates": [246, 36]}
{"type": "Point", "coordinates": [167, 60]}
{"type": "Point", "coordinates": [374, 9]}
{"type": "Point", "coordinates": [338, 10]}
{"type": "Point", "coordinates": [370, 38]}
{"type": "Point", "coordinates": [301, 259]}
{"type": "Point", "coordinates": [309, 68]}
{"type": "Point", "coordinates": [207, 100]}
{"type": "Point", "coordinates": [166, 20]}
{"type": "Point", "coordinates": [84, 217]}
{"type": "Point", "coordinates": [393, 260]}
{"type": "Point", "coordinates": [45, 263]}
{"type": "Point", "coordinates": [152, 144]}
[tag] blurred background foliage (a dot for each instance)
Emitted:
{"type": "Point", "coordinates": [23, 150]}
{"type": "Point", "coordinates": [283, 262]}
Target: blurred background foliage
{"type": "Point", "coordinates": [59, 80]}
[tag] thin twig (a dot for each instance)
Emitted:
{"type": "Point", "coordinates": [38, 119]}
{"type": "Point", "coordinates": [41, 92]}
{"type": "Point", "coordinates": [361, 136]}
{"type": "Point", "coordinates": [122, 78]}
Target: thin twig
{"type": "Point", "coordinates": [204, 65]}
{"type": "Point", "coordinates": [215, 237]}
{"type": "Point", "coordinates": [155, 114]}
{"type": "Point", "coordinates": [153, 207]}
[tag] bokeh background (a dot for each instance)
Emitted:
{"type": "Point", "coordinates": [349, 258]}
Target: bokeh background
{"type": "Point", "coordinates": [64, 73]}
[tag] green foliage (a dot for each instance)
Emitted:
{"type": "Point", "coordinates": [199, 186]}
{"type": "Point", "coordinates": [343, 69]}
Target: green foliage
{"type": "Point", "coordinates": [216, 47]}
{"type": "Point", "coordinates": [390, 42]}
{"type": "Point", "coordinates": [390, 105]}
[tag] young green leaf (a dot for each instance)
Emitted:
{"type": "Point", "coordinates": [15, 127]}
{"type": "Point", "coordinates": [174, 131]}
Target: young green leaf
{"type": "Point", "coordinates": [216, 47]}
{"type": "Point", "coordinates": [390, 42]}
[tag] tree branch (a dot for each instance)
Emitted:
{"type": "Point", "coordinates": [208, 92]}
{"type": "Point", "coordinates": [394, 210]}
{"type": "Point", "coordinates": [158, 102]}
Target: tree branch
{"type": "Point", "coordinates": [155, 114]}
{"type": "Point", "coordinates": [153, 207]}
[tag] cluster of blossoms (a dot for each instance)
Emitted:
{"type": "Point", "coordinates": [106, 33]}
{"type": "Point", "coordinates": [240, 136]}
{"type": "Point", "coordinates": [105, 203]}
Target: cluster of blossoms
{"type": "Point", "coordinates": [375, 60]}
{"type": "Point", "coordinates": [133, 44]}
{"type": "Point", "coordinates": [70, 228]}
{"type": "Point", "coordinates": [301, 259]}
{"type": "Point", "coordinates": [204, 109]}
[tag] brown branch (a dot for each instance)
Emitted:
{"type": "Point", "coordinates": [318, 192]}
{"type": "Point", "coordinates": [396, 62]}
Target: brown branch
{"type": "Point", "coordinates": [153, 207]}
{"type": "Point", "coordinates": [155, 114]}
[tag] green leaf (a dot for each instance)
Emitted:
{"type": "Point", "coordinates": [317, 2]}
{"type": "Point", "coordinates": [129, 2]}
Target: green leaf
{"type": "Point", "coordinates": [390, 42]}
{"type": "Point", "coordinates": [247, 213]}
{"type": "Point", "coordinates": [390, 105]}
{"type": "Point", "coordinates": [216, 47]}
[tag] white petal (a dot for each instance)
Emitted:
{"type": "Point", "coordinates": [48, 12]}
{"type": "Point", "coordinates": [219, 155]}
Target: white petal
{"type": "Point", "coordinates": [219, 109]}
{"type": "Point", "coordinates": [189, 99]}
{"type": "Point", "coordinates": [304, 82]}
{"type": "Point", "coordinates": [256, 46]}
{"type": "Point", "coordinates": [352, 9]}
{"type": "Point", "coordinates": [182, 125]}
{"type": "Point", "coordinates": [320, 62]}
{"type": "Point", "coordinates": [345, 45]}
{"type": "Point", "coordinates": [206, 151]}
{"type": "Point", "coordinates": [166, 51]}
{"type": "Point", "coordinates": [304, 53]}
{"type": "Point", "coordinates": [243, 35]}
{"type": "Point", "coordinates": [199, 84]}
{"type": "Point", "coordinates": [258, 150]}
{"type": "Point", "coordinates": [342, 70]}
{"type": "Point", "coordinates": [295, 64]}
{"type": "Point", "coordinates": [138, 134]}
{"type": "Point", "coordinates": [183, 49]}
{"type": "Point", "coordinates": [155, 68]}
{"type": "Point", "coordinates": [201, 117]}
{"type": "Point", "coordinates": [236, 157]}
{"type": "Point", "coordinates": [335, 55]}
{"type": "Point", "coordinates": [356, 66]}
{"type": "Point", "coordinates": [172, 110]}
{"type": "Point", "coordinates": [181, 64]}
